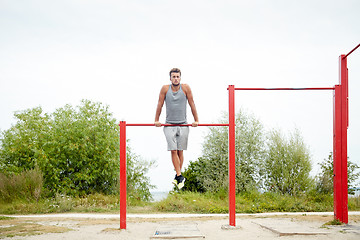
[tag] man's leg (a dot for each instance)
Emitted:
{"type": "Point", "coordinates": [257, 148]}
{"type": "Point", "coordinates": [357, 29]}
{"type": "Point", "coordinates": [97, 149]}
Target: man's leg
{"type": "Point", "coordinates": [180, 154]}
{"type": "Point", "coordinates": [177, 157]}
{"type": "Point", "coordinates": [176, 161]}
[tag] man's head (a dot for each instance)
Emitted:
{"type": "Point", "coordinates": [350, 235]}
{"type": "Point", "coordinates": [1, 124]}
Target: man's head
{"type": "Point", "coordinates": [175, 70]}
{"type": "Point", "coordinates": [175, 76]}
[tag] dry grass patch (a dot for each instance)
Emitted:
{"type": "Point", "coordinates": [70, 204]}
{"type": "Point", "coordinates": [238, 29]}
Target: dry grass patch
{"type": "Point", "coordinates": [87, 222]}
{"type": "Point", "coordinates": [308, 218]}
{"type": "Point", "coordinates": [18, 227]}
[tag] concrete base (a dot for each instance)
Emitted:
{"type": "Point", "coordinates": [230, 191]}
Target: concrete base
{"type": "Point", "coordinates": [178, 231]}
{"type": "Point", "coordinates": [228, 227]}
{"type": "Point", "coordinates": [285, 228]}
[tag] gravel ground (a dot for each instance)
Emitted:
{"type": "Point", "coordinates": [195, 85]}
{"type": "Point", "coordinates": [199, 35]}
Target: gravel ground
{"type": "Point", "coordinates": [209, 226]}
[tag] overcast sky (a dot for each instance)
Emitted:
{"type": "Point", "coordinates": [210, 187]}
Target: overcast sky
{"type": "Point", "coordinates": [119, 53]}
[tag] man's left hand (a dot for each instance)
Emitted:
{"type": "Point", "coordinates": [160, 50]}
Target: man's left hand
{"type": "Point", "coordinates": [195, 124]}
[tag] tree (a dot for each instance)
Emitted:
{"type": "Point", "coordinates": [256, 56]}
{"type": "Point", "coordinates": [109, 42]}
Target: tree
{"type": "Point", "coordinates": [138, 184]}
{"type": "Point", "coordinates": [77, 149]}
{"type": "Point", "coordinates": [325, 180]}
{"type": "Point", "coordinates": [21, 145]}
{"type": "Point", "coordinates": [287, 164]}
{"type": "Point", "coordinates": [191, 174]}
{"type": "Point", "coordinates": [211, 170]}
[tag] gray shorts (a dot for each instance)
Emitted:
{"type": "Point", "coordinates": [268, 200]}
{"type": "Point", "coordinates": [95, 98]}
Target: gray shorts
{"type": "Point", "coordinates": [176, 137]}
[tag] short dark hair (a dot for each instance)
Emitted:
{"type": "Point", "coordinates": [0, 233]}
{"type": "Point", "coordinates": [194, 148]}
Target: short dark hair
{"type": "Point", "coordinates": [175, 70]}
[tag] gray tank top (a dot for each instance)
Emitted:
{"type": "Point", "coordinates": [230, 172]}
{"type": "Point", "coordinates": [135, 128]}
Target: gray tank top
{"type": "Point", "coordinates": [175, 106]}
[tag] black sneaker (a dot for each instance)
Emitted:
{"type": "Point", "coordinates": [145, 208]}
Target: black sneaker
{"type": "Point", "coordinates": [181, 181]}
{"type": "Point", "coordinates": [175, 181]}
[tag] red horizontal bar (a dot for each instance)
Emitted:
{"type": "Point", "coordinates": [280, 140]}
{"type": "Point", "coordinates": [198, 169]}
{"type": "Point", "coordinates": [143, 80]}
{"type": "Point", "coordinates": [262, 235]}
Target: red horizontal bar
{"type": "Point", "coordinates": [328, 88]}
{"type": "Point", "coordinates": [168, 125]}
{"type": "Point", "coordinates": [351, 51]}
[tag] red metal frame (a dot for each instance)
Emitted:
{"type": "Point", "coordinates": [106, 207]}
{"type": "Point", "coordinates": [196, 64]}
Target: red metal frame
{"type": "Point", "coordinates": [326, 88]}
{"type": "Point", "coordinates": [123, 196]}
{"type": "Point", "coordinates": [351, 51]}
{"type": "Point", "coordinates": [167, 125]}
{"type": "Point", "coordinates": [341, 123]}
{"type": "Point", "coordinates": [232, 167]}
{"type": "Point", "coordinates": [232, 190]}
{"type": "Point", "coordinates": [122, 175]}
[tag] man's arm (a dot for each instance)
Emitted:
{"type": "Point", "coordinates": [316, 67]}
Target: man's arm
{"type": "Point", "coordinates": [190, 98]}
{"type": "Point", "coordinates": [160, 105]}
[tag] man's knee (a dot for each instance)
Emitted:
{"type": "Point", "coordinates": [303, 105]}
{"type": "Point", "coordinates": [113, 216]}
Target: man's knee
{"type": "Point", "coordinates": [178, 153]}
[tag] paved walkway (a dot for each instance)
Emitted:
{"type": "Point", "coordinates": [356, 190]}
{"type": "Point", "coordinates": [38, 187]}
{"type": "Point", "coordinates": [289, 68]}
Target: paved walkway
{"type": "Point", "coordinates": [265, 226]}
{"type": "Point", "coordinates": [173, 215]}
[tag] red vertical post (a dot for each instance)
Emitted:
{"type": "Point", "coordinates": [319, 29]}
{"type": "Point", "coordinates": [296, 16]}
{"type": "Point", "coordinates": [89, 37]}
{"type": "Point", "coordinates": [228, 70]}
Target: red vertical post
{"type": "Point", "coordinates": [341, 121]}
{"type": "Point", "coordinates": [337, 153]}
{"type": "Point", "coordinates": [344, 126]}
{"type": "Point", "coordinates": [122, 175]}
{"type": "Point", "coordinates": [232, 196]}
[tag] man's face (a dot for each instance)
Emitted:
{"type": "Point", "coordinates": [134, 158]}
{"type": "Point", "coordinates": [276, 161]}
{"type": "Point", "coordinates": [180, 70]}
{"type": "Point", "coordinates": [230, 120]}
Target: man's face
{"type": "Point", "coordinates": [175, 78]}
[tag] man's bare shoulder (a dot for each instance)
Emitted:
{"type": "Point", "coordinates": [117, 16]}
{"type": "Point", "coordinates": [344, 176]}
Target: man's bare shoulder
{"type": "Point", "coordinates": [164, 88]}
{"type": "Point", "coordinates": [185, 87]}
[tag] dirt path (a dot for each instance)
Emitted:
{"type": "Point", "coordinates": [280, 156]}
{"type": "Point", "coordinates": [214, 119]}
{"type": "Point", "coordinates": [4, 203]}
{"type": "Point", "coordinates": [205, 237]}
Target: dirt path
{"type": "Point", "coordinates": [251, 226]}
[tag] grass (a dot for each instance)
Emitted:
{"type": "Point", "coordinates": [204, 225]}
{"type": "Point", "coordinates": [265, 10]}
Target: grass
{"type": "Point", "coordinates": [11, 227]}
{"type": "Point", "coordinates": [333, 222]}
{"type": "Point", "coordinates": [249, 202]}
{"type": "Point", "coordinates": [62, 203]}
{"type": "Point", "coordinates": [26, 185]}
{"type": "Point", "coordinates": [179, 202]}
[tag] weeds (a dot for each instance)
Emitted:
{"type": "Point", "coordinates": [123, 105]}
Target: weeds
{"type": "Point", "coordinates": [26, 186]}
{"type": "Point", "coordinates": [247, 202]}
{"type": "Point", "coordinates": [180, 202]}
{"type": "Point", "coordinates": [6, 218]}
{"type": "Point", "coordinates": [333, 222]}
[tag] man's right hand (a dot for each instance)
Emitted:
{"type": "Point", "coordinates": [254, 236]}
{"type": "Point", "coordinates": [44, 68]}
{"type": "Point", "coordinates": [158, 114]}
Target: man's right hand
{"type": "Point", "coordinates": [157, 124]}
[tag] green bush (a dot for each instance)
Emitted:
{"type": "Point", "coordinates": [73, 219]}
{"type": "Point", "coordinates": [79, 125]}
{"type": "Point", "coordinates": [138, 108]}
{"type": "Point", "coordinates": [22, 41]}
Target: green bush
{"type": "Point", "coordinates": [246, 202]}
{"type": "Point", "coordinates": [76, 148]}
{"type": "Point", "coordinates": [210, 171]}
{"type": "Point", "coordinates": [325, 180]}
{"type": "Point", "coordinates": [26, 185]}
{"type": "Point", "coordinates": [192, 182]}
{"type": "Point", "coordinates": [138, 184]}
{"type": "Point", "coordinates": [354, 203]}
{"type": "Point", "coordinates": [268, 162]}
{"type": "Point", "coordinates": [287, 164]}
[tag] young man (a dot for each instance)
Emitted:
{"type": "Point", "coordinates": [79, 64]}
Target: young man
{"type": "Point", "coordinates": [176, 96]}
